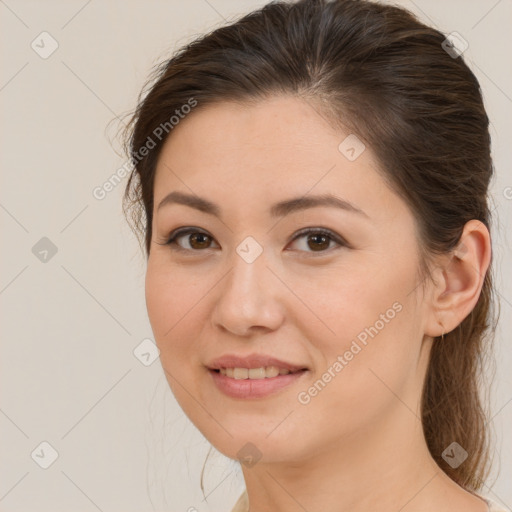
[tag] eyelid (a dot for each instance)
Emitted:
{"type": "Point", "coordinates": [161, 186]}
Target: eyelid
{"type": "Point", "coordinates": [179, 232]}
{"type": "Point", "coordinates": [321, 231]}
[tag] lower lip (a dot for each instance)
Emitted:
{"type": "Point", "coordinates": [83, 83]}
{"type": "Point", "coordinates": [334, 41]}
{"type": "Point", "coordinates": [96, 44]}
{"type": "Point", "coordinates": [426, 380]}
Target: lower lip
{"type": "Point", "coordinates": [253, 388]}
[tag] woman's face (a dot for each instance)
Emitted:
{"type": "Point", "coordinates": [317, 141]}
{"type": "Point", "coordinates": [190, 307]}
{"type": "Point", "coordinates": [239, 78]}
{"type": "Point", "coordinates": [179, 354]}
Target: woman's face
{"type": "Point", "coordinates": [343, 307]}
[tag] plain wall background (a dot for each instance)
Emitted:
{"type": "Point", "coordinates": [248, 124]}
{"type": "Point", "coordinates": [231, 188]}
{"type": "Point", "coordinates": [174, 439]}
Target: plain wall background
{"type": "Point", "coordinates": [70, 325]}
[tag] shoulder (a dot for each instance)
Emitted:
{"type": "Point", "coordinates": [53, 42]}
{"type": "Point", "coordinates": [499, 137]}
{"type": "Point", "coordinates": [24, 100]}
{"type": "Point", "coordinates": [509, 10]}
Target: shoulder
{"type": "Point", "coordinates": [493, 506]}
{"type": "Point", "coordinates": [242, 504]}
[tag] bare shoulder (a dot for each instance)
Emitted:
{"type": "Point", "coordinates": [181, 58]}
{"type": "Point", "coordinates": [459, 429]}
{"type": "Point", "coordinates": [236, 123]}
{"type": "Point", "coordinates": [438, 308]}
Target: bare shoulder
{"type": "Point", "coordinates": [242, 504]}
{"type": "Point", "coordinates": [495, 507]}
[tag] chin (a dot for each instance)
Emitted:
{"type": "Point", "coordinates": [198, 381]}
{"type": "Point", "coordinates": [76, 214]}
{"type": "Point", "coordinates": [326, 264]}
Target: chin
{"type": "Point", "coordinates": [250, 450]}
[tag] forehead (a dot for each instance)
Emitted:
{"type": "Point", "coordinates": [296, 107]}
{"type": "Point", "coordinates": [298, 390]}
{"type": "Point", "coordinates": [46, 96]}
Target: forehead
{"type": "Point", "coordinates": [264, 152]}
{"type": "Point", "coordinates": [277, 129]}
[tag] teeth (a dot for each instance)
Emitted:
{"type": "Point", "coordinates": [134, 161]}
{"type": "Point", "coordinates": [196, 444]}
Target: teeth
{"type": "Point", "coordinates": [240, 373]}
{"type": "Point", "coordinates": [265, 372]}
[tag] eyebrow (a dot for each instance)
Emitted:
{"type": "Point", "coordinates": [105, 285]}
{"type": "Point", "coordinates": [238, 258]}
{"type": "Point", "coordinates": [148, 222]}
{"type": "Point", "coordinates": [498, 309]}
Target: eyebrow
{"type": "Point", "coordinates": [280, 209]}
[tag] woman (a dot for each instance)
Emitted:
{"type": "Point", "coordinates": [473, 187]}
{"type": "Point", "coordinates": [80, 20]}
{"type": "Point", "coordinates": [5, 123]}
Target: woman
{"type": "Point", "coordinates": [311, 185]}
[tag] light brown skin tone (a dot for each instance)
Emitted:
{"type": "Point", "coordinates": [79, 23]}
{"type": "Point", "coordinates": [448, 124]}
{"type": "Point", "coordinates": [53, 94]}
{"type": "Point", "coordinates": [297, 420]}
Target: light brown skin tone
{"type": "Point", "coordinates": [358, 445]}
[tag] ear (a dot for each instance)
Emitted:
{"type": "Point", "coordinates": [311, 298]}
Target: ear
{"type": "Point", "coordinates": [459, 279]}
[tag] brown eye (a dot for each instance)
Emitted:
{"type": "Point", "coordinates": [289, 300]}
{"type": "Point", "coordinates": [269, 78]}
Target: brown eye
{"type": "Point", "coordinates": [199, 240]}
{"type": "Point", "coordinates": [318, 240]}
{"type": "Point", "coordinates": [194, 240]}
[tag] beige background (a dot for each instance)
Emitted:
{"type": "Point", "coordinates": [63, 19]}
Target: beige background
{"type": "Point", "coordinates": [70, 325]}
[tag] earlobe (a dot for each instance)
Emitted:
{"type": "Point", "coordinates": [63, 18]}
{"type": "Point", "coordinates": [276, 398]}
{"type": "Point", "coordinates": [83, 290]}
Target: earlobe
{"type": "Point", "coordinates": [462, 276]}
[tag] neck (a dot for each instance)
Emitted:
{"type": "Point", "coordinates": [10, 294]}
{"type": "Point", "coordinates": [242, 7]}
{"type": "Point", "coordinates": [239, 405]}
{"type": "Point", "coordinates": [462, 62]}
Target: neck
{"type": "Point", "coordinates": [386, 467]}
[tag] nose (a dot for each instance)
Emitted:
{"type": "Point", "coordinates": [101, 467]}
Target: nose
{"type": "Point", "coordinates": [249, 298]}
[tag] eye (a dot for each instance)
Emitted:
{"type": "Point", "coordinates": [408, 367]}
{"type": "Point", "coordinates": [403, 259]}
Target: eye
{"type": "Point", "coordinates": [195, 239]}
{"type": "Point", "coordinates": [318, 239]}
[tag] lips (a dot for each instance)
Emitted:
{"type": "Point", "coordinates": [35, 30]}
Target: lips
{"type": "Point", "coordinates": [252, 361]}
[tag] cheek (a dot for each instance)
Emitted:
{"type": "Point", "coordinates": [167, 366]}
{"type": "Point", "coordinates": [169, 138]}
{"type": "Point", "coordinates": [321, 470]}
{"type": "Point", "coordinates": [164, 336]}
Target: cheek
{"type": "Point", "coordinates": [345, 303]}
{"type": "Point", "coordinates": [173, 309]}
{"type": "Point", "coordinates": [160, 301]}
{"type": "Point", "coordinates": [170, 301]}
{"type": "Point", "coordinates": [371, 346]}
{"type": "Point", "coordinates": [168, 296]}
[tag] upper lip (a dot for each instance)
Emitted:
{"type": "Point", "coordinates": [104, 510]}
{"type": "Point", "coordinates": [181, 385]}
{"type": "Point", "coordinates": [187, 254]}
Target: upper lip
{"type": "Point", "coordinates": [251, 361]}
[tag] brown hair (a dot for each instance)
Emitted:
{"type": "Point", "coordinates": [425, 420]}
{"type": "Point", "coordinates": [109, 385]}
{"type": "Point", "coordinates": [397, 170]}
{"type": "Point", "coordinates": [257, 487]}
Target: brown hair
{"type": "Point", "coordinates": [378, 72]}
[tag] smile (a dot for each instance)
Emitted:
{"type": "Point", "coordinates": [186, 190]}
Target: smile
{"type": "Point", "coordinates": [265, 372]}
{"type": "Point", "coordinates": [248, 383]}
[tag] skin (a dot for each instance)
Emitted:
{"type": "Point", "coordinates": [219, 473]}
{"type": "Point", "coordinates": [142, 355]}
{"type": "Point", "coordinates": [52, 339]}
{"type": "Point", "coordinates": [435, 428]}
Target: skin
{"type": "Point", "coordinates": [358, 444]}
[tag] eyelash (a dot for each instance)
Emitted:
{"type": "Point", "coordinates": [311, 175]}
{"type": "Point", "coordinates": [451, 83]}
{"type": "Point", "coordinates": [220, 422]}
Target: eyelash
{"type": "Point", "coordinates": [171, 241]}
